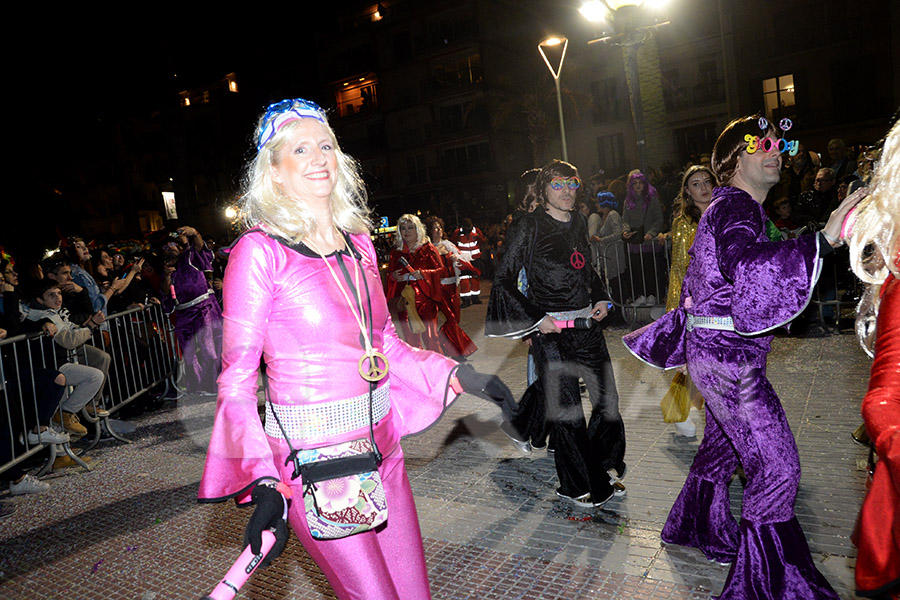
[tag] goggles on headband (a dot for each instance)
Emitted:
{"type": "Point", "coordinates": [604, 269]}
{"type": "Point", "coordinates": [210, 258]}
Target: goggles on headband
{"type": "Point", "coordinates": [558, 183]}
{"type": "Point", "coordinates": [279, 114]}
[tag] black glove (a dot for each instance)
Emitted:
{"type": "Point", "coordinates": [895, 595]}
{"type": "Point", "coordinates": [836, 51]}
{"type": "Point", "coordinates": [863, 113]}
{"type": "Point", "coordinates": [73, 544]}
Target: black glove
{"type": "Point", "coordinates": [268, 514]}
{"type": "Point", "coordinates": [488, 387]}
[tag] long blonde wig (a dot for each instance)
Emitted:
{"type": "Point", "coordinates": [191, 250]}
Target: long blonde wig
{"type": "Point", "coordinates": [265, 203]}
{"type": "Point", "coordinates": [874, 240]}
{"type": "Point", "coordinates": [420, 231]}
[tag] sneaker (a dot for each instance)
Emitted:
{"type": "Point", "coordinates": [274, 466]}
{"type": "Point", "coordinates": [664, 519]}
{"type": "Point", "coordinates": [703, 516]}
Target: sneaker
{"type": "Point", "coordinates": [860, 435]}
{"type": "Point", "coordinates": [686, 428]}
{"type": "Point", "coordinates": [96, 412]}
{"type": "Point", "coordinates": [65, 461]}
{"type": "Point", "coordinates": [71, 423]}
{"type": "Point", "coordinates": [614, 476]}
{"type": "Point", "coordinates": [523, 446]}
{"type": "Point", "coordinates": [28, 485]}
{"type": "Point", "coordinates": [47, 436]}
{"type": "Point", "coordinates": [582, 501]}
{"type": "Point", "coordinates": [612, 494]}
{"type": "Point", "coordinates": [618, 489]}
{"type": "Point", "coordinates": [6, 510]}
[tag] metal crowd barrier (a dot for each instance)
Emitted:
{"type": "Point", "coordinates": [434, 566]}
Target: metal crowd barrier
{"type": "Point", "coordinates": [636, 277]}
{"type": "Point", "coordinates": [836, 291]}
{"type": "Point", "coordinates": [143, 351]}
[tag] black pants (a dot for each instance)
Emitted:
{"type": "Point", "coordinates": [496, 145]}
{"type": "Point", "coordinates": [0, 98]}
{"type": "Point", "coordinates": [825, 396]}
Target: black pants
{"type": "Point", "coordinates": [583, 454]}
{"type": "Point", "coordinates": [30, 407]}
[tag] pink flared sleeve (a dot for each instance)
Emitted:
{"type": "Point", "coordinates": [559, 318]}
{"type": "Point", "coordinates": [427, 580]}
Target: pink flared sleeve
{"type": "Point", "coordinates": [419, 379]}
{"type": "Point", "coordinates": [239, 454]}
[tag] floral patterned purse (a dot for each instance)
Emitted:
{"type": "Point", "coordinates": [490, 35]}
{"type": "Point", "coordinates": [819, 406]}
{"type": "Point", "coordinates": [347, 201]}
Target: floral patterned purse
{"type": "Point", "coordinates": [342, 489]}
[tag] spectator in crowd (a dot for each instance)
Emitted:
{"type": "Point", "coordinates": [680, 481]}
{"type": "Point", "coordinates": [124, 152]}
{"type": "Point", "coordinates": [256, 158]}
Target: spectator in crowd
{"type": "Point", "coordinates": [470, 242]}
{"type": "Point", "coordinates": [13, 301]}
{"type": "Point", "coordinates": [619, 189]}
{"type": "Point", "coordinates": [76, 299]}
{"type": "Point", "coordinates": [608, 245]}
{"type": "Point", "coordinates": [738, 288]}
{"type": "Point", "coordinates": [643, 216]}
{"type": "Point", "coordinates": [552, 245]}
{"type": "Point", "coordinates": [595, 185]}
{"type": "Point", "coordinates": [198, 317]}
{"type": "Point", "coordinates": [797, 177]}
{"type": "Point", "coordinates": [784, 218]}
{"type": "Point", "coordinates": [87, 379]}
{"type": "Point", "coordinates": [842, 164]}
{"type": "Point", "coordinates": [79, 258]}
{"type": "Point", "coordinates": [37, 403]}
{"type": "Point", "coordinates": [812, 206]}
{"type": "Point", "coordinates": [642, 212]}
{"type": "Point", "coordinates": [49, 386]}
{"type": "Point", "coordinates": [135, 294]}
{"type": "Point", "coordinates": [874, 240]}
{"type": "Point", "coordinates": [667, 188]}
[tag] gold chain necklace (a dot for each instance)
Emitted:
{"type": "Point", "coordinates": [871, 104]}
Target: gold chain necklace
{"type": "Point", "coordinates": [368, 366]}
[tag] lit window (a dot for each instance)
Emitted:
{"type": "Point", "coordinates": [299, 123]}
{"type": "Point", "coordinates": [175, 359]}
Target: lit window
{"type": "Point", "coordinates": [232, 82]}
{"type": "Point", "coordinates": [778, 93]}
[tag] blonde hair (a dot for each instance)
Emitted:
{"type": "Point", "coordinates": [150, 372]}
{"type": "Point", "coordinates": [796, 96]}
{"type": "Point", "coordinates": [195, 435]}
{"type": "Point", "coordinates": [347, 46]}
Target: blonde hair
{"type": "Point", "coordinates": [265, 203]}
{"type": "Point", "coordinates": [420, 231]}
{"type": "Point", "coordinates": [875, 238]}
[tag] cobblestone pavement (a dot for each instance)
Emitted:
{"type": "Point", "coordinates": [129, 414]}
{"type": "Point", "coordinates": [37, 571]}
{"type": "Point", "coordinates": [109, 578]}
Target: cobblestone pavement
{"type": "Point", "coordinates": [493, 527]}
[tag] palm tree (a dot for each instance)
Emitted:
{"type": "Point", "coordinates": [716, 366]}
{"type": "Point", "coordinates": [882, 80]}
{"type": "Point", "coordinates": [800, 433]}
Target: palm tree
{"type": "Point", "coordinates": [535, 106]}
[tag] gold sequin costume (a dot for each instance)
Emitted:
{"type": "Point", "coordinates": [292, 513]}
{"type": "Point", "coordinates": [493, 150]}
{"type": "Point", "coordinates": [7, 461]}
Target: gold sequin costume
{"type": "Point", "coordinates": [683, 232]}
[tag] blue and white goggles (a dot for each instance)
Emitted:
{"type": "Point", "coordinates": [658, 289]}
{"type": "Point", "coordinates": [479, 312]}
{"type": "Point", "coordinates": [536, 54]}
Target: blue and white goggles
{"type": "Point", "coordinates": [287, 111]}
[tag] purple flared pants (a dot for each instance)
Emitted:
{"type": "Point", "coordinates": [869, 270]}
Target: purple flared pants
{"type": "Point", "coordinates": [745, 425]}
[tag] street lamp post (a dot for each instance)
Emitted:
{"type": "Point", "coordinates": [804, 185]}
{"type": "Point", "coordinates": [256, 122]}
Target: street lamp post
{"type": "Point", "coordinates": [557, 41]}
{"type": "Point", "coordinates": [628, 18]}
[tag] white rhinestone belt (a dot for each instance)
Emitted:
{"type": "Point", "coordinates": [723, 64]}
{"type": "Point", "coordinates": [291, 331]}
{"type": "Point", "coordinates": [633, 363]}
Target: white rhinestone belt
{"type": "Point", "coordinates": [568, 315]}
{"type": "Point", "coordinates": [722, 323]}
{"type": "Point", "coordinates": [315, 421]}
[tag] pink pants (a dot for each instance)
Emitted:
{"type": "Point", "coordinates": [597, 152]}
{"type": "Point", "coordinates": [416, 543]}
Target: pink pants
{"type": "Point", "coordinates": [385, 564]}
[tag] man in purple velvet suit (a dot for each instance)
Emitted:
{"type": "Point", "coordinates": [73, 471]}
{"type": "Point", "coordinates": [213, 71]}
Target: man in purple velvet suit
{"type": "Point", "coordinates": [198, 317]}
{"type": "Point", "coordinates": [738, 288]}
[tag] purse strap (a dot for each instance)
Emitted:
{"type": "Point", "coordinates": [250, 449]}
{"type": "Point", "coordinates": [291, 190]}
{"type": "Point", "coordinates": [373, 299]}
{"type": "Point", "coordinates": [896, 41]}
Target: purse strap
{"type": "Point", "coordinates": [294, 452]}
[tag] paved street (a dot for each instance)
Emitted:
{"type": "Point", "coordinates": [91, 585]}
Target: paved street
{"type": "Point", "coordinates": [492, 524]}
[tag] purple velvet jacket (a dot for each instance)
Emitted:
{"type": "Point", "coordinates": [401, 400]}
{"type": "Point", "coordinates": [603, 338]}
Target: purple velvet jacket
{"type": "Point", "coordinates": [735, 271]}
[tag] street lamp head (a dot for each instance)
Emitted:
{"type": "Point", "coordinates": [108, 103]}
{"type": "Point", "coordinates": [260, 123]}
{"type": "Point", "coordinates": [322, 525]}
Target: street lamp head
{"type": "Point", "coordinates": [594, 11]}
{"type": "Point", "coordinates": [554, 42]}
{"type": "Point", "coordinates": [617, 4]}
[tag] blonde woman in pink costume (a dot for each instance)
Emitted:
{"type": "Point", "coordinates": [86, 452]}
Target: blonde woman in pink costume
{"type": "Point", "coordinates": [303, 293]}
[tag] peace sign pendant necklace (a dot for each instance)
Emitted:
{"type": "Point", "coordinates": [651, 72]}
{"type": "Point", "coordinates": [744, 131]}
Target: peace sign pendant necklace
{"type": "Point", "coordinates": [577, 259]}
{"type": "Point", "coordinates": [373, 365]}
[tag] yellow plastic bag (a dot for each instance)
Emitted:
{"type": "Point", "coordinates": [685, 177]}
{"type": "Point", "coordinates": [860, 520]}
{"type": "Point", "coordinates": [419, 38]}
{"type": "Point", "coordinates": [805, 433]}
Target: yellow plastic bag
{"type": "Point", "coordinates": [676, 404]}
